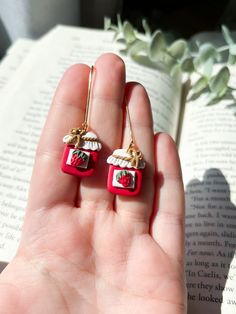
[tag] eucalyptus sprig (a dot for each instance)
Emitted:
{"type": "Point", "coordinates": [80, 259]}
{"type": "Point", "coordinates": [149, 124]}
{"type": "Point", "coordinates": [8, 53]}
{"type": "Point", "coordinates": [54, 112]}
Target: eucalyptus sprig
{"type": "Point", "coordinates": [154, 49]}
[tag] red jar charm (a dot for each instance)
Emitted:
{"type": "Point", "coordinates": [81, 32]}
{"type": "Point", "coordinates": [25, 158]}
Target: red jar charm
{"type": "Point", "coordinates": [125, 172]}
{"type": "Point", "coordinates": [81, 153]}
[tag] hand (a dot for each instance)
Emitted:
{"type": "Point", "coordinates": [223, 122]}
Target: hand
{"type": "Point", "coordinates": [84, 250]}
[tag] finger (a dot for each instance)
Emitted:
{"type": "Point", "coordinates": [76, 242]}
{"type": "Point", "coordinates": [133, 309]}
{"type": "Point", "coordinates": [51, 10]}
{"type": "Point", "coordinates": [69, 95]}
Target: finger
{"type": "Point", "coordinates": [168, 220]}
{"type": "Point", "coordinates": [136, 210]}
{"type": "Point", "coordinates": [49, 184]}
{"type": "Point", "coordinates": [106, 120]}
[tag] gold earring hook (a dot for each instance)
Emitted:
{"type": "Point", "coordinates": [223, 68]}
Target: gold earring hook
{"type": "Point", "coordinates": [85, 123]}
{"type": "Point", "coordinates": [130, 125]}
{"type": "Point", "coordinates": [131, 148]}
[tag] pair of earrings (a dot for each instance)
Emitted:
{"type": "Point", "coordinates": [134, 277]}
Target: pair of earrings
{"type": "Point", "coordinates": [81, 154]}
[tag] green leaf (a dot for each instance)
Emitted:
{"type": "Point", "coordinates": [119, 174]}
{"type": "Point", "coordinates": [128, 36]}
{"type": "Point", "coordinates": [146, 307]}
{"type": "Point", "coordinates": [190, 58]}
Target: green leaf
{"type": "Point", "coordinates": [211, 98]}
{"type": "Point", "coordinates": [146, 27]}
{"type": "Point", "coordinates": [187, 65]}
{"type": "Point", "coordinates": [175, 70]}
{"type": "Point", "coordinates": [115, 36]}
{"type": "Point", "coordinates": [219, 83]}
{"type": "Point", "coordinates": [119, 23]}
{"type": "Point", "coordinates": [107, 23]}
{"type": "Point", "coordinates": [120, 40]}
{"type": "Point", "coordinates": [232, 49]}
{"type": "Point", "coordinates": [137, 47]}
{"type": "Point", "coordinates": [227, 35]}
{"type": "Point", "coordinates": [200, 84]}
{"type": "Point", "coordinates": [207, 51]}
{"type": "Point", "coordinates": [207, 68]}
{"type": "Point", "coordinates": [231, 59]}
{"type": "Point", "coordinates": [178, 48]}
{"type": "Point", "coordinates": [157, 46]}
{"type": "Point", "coordinates": [128, 32]}
{"type": "Point", "coordinates": [144, 60]}
{"type": "Point", "coordinates": [169, 61]}
{"type": "Point", "coordinates": [197, 43]}
{"type": "Point", "coordinates": [123, 52]}
{"type": "Point", "coordinates": [203, 63]}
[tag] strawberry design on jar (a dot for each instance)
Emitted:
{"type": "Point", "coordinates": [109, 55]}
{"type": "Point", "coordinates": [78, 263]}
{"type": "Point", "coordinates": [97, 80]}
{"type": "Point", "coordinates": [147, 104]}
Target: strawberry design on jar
{"type": "Point", "coordinates": [124, 178]}
{"type": "Point", "coordinates": [78, 158]}
{"type": "Point", "coordinates": [125, 171]}
{"type": "Point", "coordinates": [80, 153]}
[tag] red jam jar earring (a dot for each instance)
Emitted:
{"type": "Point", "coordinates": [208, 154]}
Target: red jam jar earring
{"type": "Point", "coordinates": [125, 170]}
{"type": "Point", "coordinates": [82, 146]}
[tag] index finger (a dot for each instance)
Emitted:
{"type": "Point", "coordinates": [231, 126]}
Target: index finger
{"type": "Point", "coordinates": [49, 185]}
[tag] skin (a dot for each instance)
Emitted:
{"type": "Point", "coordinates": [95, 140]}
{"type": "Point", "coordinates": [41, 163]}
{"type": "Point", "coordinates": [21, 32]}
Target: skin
{"type": "Point", "coordinates": [83, 249]}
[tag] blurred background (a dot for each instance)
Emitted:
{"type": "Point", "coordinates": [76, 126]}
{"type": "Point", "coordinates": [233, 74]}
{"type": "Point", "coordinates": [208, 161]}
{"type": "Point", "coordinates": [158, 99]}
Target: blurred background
{"type": "Point", "coordinates": [182, 18]}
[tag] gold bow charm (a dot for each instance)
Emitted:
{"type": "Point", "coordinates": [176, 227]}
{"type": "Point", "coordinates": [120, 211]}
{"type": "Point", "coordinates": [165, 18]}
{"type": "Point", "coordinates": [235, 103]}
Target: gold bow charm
{"type": "Point", "coordinates": [135, 155]}
{"type": "Point", "coordinates": [75, 136]}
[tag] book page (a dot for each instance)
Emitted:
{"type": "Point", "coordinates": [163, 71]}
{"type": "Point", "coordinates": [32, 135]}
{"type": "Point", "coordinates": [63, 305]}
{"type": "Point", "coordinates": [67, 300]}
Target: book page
{"type": "Point", "coordinates": [33, 87]}
{"type": "Point", "coordinates": [208, 155]}
{"type": "Point", "coordinates": [14, 57]}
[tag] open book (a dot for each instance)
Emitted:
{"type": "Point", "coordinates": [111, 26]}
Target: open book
{"type": "Point", "coordinates": [29, 75]}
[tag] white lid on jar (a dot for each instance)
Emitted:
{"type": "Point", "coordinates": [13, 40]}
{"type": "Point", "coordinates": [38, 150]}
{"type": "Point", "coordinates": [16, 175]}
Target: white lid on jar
{"type": "Point", "coordinates": [116, 161]}
{"type": "Point", "coordinates": [86, 144]}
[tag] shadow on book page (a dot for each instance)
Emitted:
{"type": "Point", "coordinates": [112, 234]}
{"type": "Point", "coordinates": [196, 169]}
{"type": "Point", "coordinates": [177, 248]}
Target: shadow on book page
{"type": "Point", "coordinates": [210, 245]}
{"type": "Point", "coordinates": [2, 266]}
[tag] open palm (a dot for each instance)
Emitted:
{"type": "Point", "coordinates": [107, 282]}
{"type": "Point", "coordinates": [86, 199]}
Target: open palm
{"type": "Point", "coordinates": [84, 250]}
